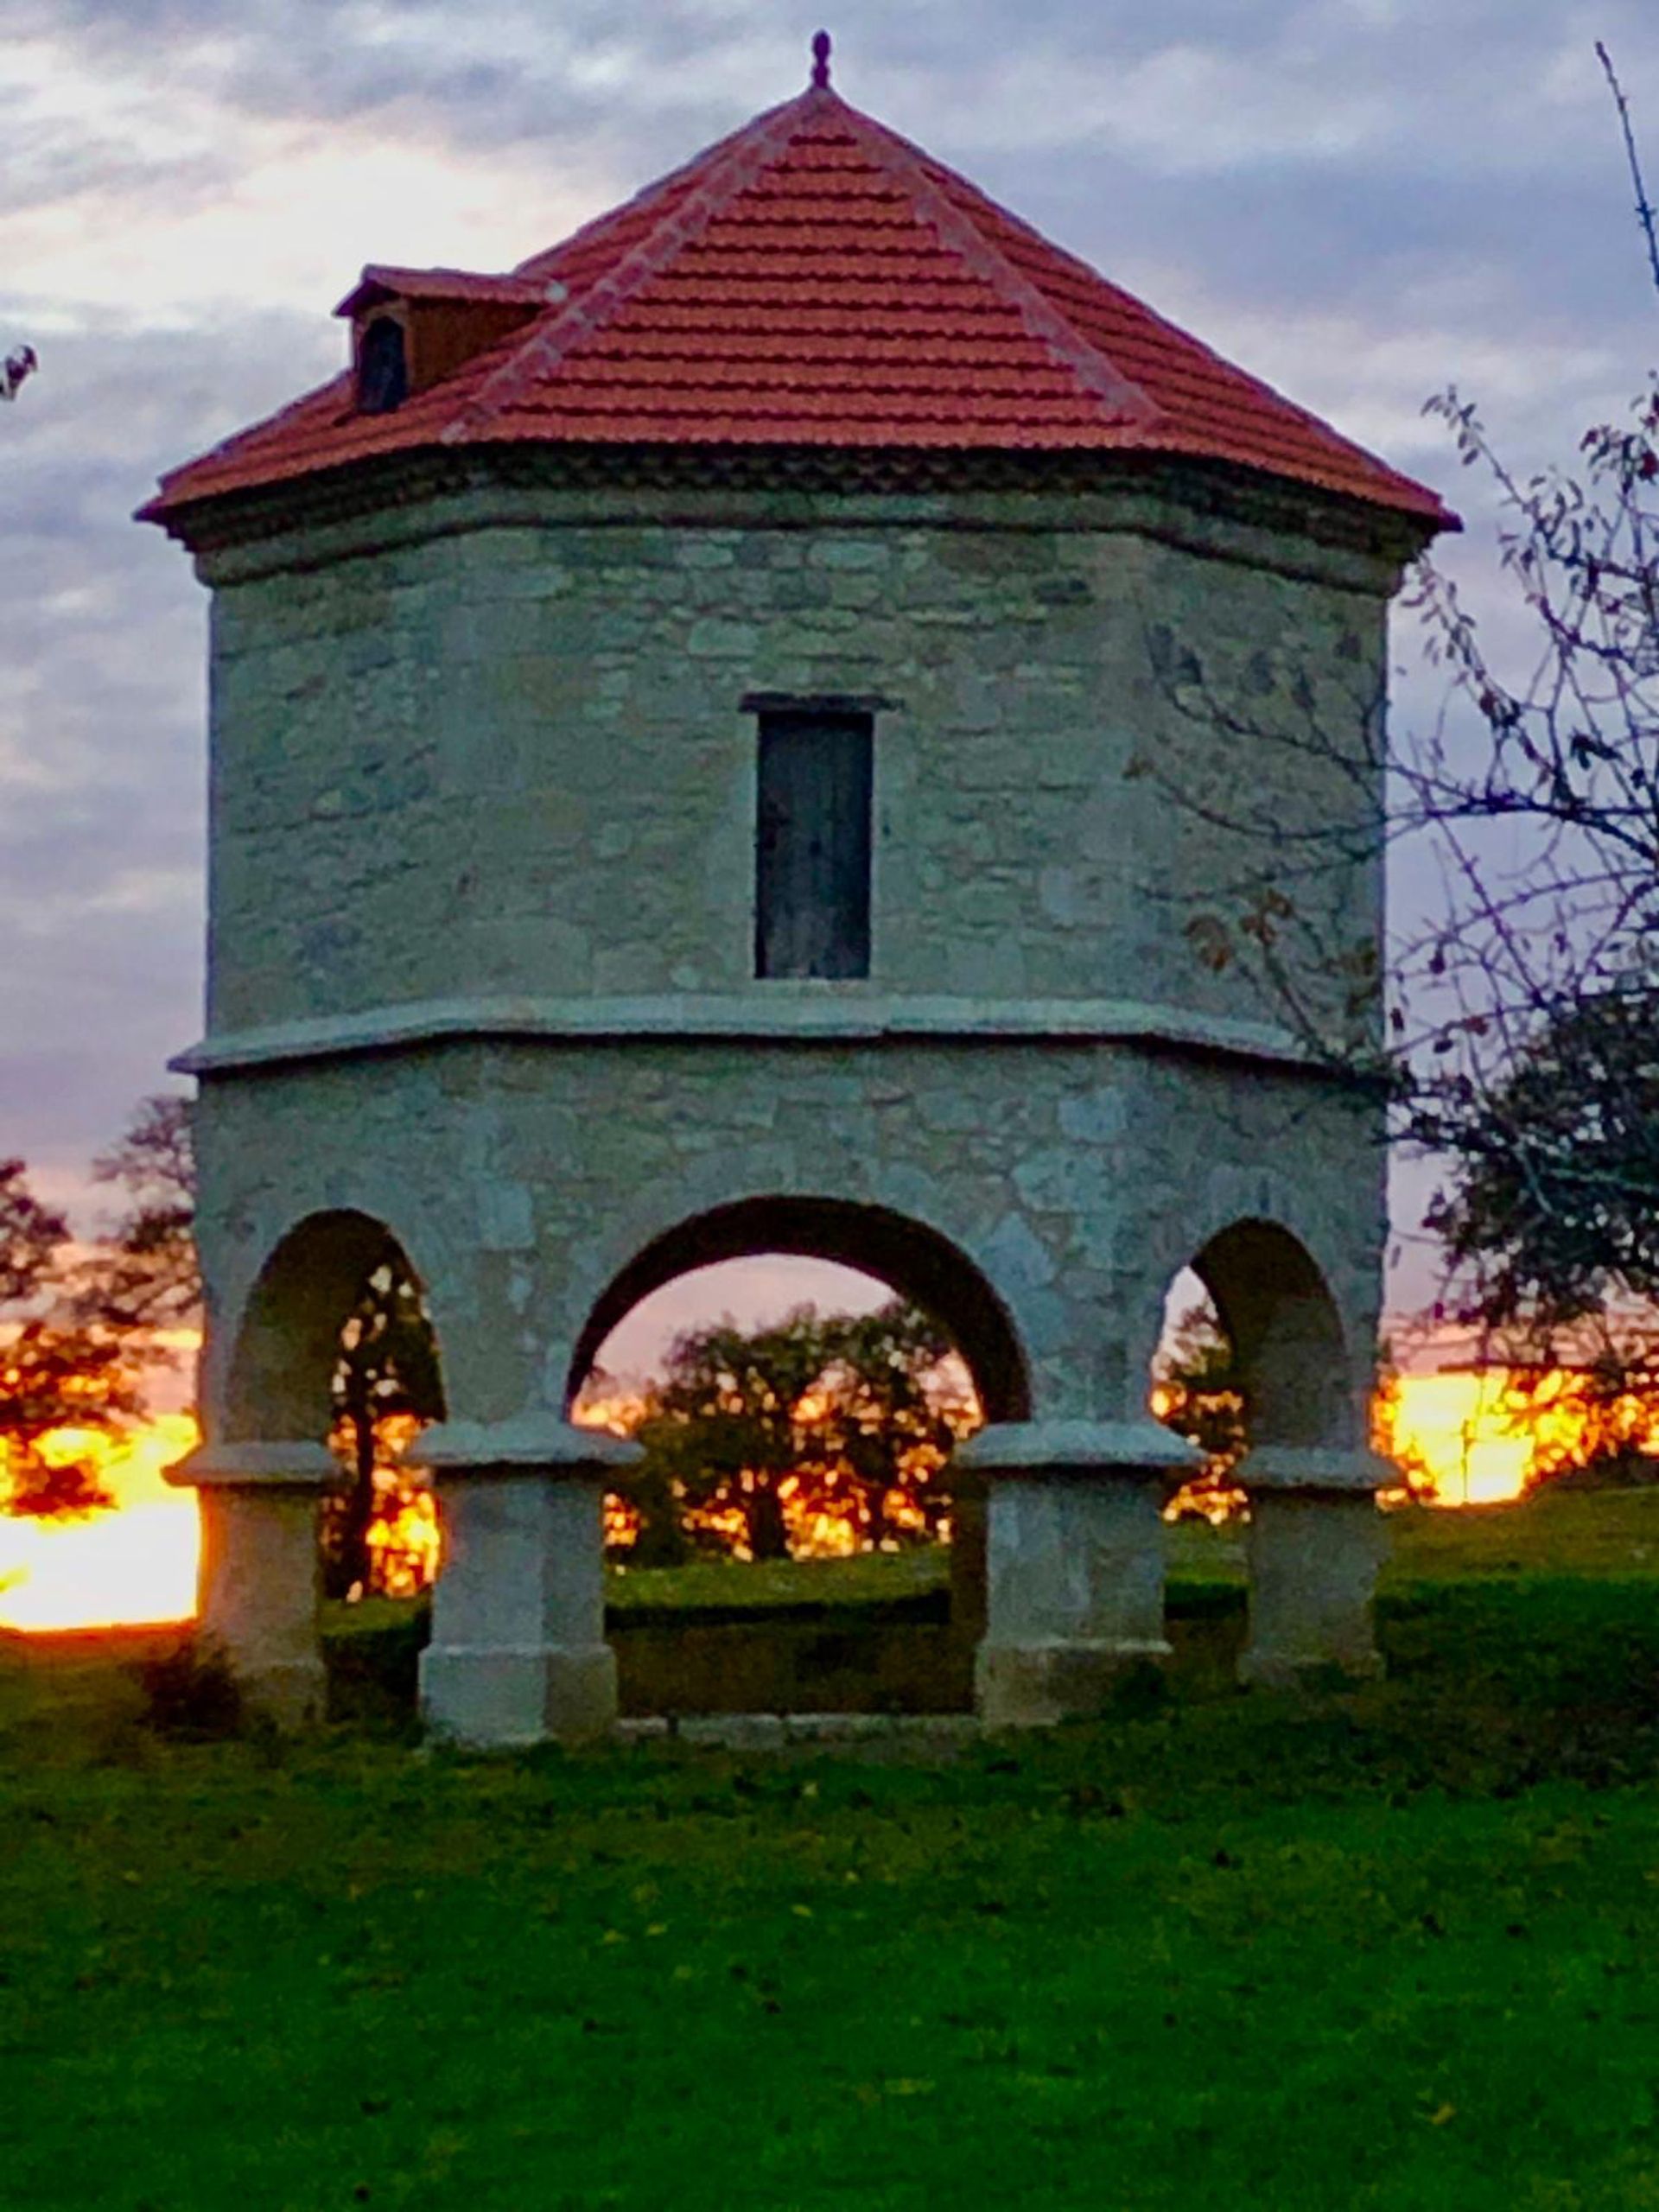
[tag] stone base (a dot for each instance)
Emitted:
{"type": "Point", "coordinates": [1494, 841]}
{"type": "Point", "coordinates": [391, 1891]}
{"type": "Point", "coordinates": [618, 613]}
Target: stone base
{"type": "Point", "coordinates": [1037, 1685]}
{"type": "Point", "coordinates": [1281, 1670]}
{"type": "Point", "coordinates": [1313, 1562]}
{"type": "Point", "coordinates": [292, 1693]}
{"type": "Point", "coordinates": [497, 1699]}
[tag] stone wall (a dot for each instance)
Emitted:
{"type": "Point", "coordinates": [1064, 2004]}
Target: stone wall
{"type": "Point", "coordinates": [522, 1178]}
{"type": "Point", "coordinates": [481, 935]}
{"type": "Point", "coordinates": [497, 746]}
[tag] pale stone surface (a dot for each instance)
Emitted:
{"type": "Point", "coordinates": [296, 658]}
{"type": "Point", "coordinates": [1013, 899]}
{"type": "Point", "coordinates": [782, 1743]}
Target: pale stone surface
{"type": "Point", "coordinates": [546, 680]}
{"type": "Point", "coordinates": [595, 1138]}
{"type": "Point", "coordinates": [483, 826]}
{"type": "Point", "coordinates": [258, 1590]}
{"type": "Point", "coordinates": [306, 1467]}
{"type": "Point", "coordinates": [517, 1651]}
{"type": "Point", "coordinates": [1075, 1562]}
{"type": "Point", "coordinates": [1315, 1557]}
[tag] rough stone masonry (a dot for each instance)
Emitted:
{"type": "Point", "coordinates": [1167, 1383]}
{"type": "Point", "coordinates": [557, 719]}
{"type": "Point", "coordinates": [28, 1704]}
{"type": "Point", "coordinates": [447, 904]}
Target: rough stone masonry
{"type": "Point", "coordinates": [489, 690]}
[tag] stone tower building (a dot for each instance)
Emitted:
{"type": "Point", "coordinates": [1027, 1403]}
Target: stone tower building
{"type": "Point", "coordinates": [753, 732]}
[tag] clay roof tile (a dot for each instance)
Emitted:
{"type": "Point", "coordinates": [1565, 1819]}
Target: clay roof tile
{"type": "Point", "coordinates": [814, 280]}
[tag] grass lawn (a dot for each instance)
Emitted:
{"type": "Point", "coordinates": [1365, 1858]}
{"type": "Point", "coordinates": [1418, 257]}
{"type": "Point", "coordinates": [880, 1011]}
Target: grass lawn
{"type": "Point", "coordinates": [1397, 1947]}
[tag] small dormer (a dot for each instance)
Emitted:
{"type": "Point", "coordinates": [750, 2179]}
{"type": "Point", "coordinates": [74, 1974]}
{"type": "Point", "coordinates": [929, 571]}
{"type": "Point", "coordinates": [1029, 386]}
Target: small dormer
{"type": "Point", "coordinates": [412, 328]}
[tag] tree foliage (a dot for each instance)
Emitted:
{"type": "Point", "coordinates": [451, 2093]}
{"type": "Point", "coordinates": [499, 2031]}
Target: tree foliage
{"type": "Point", "coordinates": [750, 1436]}
{"type": "Point", "coordinates": [145, 1275]}
{"type": "Point", "coordinates": [1595, 1426]}
{"type": "Point", "coordinates": [386, 1376]}
{"type": "Point", "coordinates": [1198, 1391]}
{"type": "Point", "coordinates": [1521, 1049]}
{"type": "Point", "coordinates": [1539, 1087]}
{"type": "Point", "coordinates": [61, 1370]}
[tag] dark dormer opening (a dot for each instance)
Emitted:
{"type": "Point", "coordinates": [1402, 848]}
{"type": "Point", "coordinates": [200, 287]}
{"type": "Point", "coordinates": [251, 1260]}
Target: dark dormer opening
{"type": "Point", "coordinates": [413, 327]}
{"type": "Point", "coordinates": [382, 366]}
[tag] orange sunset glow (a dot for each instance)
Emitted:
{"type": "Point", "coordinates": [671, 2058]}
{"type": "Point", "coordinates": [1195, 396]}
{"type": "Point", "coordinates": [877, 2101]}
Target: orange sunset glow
{"type": "Point", "coordinates": [136, 1564]}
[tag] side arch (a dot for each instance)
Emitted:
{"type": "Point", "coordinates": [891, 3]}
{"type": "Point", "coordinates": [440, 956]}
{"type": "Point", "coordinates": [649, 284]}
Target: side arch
{"type": "Point", "coordinates": [287, 1339]}
{"type": "Point", "coordinates": [920, 1264]}
{"type": "Point", "coordinates": [1275, 1305]}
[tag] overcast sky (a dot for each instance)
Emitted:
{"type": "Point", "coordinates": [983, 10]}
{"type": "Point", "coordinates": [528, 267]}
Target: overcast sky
{"type": "Point", "coordinates": [1364, 200]}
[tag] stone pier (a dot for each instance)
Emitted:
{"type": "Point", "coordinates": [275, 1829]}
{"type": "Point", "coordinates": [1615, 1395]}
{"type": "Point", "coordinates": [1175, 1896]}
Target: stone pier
{"type": "Point", "coordinates": [1074, 1562]}
{"type": "Point", "coordinates": [1316, 1543]}
{"type": "Point", "coordinates": [518, 1653]}
{"type": "Point", "coordinates": [258, 1584]}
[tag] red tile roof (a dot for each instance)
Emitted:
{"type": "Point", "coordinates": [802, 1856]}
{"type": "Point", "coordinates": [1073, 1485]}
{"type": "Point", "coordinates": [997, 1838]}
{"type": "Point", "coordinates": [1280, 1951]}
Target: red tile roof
{"type": "Point", "coordinates": [814, 281]}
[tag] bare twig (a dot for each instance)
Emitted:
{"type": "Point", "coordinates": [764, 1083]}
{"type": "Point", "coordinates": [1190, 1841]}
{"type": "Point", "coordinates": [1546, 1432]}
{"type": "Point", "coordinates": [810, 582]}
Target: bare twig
{"type": "Point", "coordinates": [1645, 213]}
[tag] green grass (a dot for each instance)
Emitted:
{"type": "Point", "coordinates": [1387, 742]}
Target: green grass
{"type": "Point", "coordinates": [1612, 1534]}
{"type": "Point", "coordinates": [866, 1578]}
{"type": "Point", "coordinates": [1391, 1948]}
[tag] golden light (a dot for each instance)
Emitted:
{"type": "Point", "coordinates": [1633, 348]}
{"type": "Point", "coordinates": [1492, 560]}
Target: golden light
{"type": "Point", "coordinates": [133, 1565]}
{"type": "Point", "coordinates": [136, 1564]}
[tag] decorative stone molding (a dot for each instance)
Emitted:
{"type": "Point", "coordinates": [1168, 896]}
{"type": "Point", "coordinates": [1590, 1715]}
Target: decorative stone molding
{"type": "Point", "coordinates": [777, 1014]}
{"type": "Point", "coordinates": [1316, 1471]}
{"type": "Point", "coordinates": [537, 1440]}
{"type": "Point", "coordinates": [300, 1466]}
{"type": "Point", "coordinates": [1139, 1450]}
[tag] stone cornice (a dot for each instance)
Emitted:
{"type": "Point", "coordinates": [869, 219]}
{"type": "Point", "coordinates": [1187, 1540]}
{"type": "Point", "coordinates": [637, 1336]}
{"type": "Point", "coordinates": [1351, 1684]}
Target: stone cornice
{"type": "Point", "coordinates": [1222, 510]}
{"type": "Point", "coordinates": [779, 1016]}
{"type": "Point", "coordinates": [1315, 1471]}
{"type": "Point", "coordinates": [1047, 1449]}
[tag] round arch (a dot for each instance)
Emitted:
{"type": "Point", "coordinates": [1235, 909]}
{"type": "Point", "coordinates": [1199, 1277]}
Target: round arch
{"type": "Point", "coordinates": [919, 1262]}
{"type": "Point", "coordinates": [1287, 1332]}
{"type": "Point", "coordinates": [287, 1341]}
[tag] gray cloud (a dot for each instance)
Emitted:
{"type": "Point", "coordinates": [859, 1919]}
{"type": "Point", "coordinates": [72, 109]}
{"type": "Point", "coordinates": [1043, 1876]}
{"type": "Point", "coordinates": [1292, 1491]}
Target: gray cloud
{"type": "Point", "coordinates": [1362, 199]}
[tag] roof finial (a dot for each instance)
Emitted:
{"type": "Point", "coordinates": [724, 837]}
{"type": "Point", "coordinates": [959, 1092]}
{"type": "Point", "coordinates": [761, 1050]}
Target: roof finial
{"type": "Point", "coordinates": [821, 60]}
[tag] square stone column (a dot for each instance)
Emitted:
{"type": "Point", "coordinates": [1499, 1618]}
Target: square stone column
{"type": "Point", "coordinates": [258, 1581]}
{"type": "Point", "coordinates": [1074, 1562]}
{"type": "Point", "coordinates": [1315, 1544]}
{"type": "Point", "coordinates": [518, 1653]}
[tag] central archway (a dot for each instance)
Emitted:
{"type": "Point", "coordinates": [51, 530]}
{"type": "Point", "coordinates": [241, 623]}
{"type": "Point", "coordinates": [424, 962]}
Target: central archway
{"type": "Point", "coordinates": [920, 1263]}
{"type": "Point", "coordinates": [900, 1653]}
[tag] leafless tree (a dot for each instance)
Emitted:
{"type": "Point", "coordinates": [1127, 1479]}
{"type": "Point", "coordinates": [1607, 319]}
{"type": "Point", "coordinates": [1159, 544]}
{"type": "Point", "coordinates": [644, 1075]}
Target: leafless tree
{"type": "Point", "coordinates": [1521, 1047]}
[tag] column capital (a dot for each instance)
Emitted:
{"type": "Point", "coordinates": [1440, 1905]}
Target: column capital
{"type": "Point", "coordinates": [1042, 1450]}
{"type": "Point", "coordinates": [299, 1465]}
{"type": "Point", "coordinates": [1316, 1471]}
{"type": "Point", "coordinates": [537, 1442]}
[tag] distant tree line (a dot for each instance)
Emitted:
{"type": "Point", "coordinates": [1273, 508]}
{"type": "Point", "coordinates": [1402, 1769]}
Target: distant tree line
{"type": "Point", "coordinates": [818, 1428]}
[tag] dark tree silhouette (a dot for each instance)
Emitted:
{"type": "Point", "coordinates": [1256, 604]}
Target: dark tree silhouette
{"type": "Point", "coordinates": [854, 1416]}
{"type": "Point", "coordinates": [388, 1370]}
{"type": "Point", "coordinates": [1198, 1392]}
{"type": "Point", "coordinates": [58, 1367]}
{"type": "Point", "coordinates": [145, 1276]}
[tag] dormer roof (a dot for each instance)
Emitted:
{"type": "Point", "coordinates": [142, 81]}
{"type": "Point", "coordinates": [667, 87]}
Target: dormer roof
{"type": "Point", "coordinates": [814, 281]}
{"type": "Point", "coordinates": [380, 281]}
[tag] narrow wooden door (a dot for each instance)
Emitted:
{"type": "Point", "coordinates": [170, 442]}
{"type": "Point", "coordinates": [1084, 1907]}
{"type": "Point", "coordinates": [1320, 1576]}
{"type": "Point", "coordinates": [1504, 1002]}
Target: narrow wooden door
{"type": "Point", "coordinates": [812, 845]}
